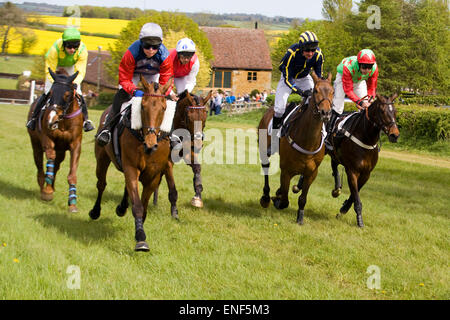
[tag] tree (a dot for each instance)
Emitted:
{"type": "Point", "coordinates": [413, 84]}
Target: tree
{"type": "Point", "coordinates": [11, 17]}
{"type": "Point", "coordinates": [175, 26]}
{"type": "Point", "coordinates": [335, 10]}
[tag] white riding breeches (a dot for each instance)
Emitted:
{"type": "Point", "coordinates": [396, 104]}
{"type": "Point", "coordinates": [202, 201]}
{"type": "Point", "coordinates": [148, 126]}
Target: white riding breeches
{"type": "Point", "coordinates": [359, 88]}
{"type": "Point", "coordinates": [49, 82]}
{"type": "Point", "coordinates": [283, 92]}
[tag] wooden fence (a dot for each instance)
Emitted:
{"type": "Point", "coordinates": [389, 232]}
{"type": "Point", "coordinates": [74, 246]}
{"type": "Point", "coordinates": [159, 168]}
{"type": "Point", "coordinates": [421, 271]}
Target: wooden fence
{"type": "Point", "coordinates": [241, 107]}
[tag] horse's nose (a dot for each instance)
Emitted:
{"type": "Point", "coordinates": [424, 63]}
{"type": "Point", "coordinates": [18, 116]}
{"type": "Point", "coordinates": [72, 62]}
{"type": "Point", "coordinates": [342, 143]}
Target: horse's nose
{"type": "Point", "coordinates": [326, 115]}
{"type": "Point", "coordinates": [393, 138]}
{"type": "Point", "coordinates": [150, 150]}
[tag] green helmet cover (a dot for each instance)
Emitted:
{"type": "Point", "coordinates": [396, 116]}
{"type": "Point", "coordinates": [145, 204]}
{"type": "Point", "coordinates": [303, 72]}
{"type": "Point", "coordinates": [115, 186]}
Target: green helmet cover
{"type": "Point", "coordinates": [71, 34]}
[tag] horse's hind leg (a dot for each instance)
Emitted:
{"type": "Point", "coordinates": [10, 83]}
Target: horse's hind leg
{"type": "Point", "coordinates": [281, 200]}
{"type": "Point", "coordinates": [198, 187]}
{"type": "Point", "coordinates": [337, 179]}
{"type": "Point", "coordinates": [103, 162]}
{"type": "Point", "coordinates": [173, 193]}
{"type": "Point", "coordinates": [308, 180]}
{"type": "Point", "coordinates": [38, 155]}
{"type": "Point", "coordinates": [121, 209]}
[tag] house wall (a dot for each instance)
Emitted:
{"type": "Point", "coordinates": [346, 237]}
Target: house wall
{"type": "Point", "coordinates": [241, 85]}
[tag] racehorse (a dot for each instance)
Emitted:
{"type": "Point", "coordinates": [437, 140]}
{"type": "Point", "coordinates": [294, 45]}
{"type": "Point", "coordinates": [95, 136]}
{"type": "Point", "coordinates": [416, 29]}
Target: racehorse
{"type": "Point", "coordinates": [144, 157]}
{"type": "Point", "coordinates": [59, 128]}
{"type": "Point", "coordinates": [301, 148]}
{"type": "Point", "coordinates": [191, 115]}
{"type": "Point", "coordinates": [355, 146]}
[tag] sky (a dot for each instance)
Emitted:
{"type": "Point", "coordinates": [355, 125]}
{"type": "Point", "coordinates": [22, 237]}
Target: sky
{"type": "Point", "coordinates": [271, 8]}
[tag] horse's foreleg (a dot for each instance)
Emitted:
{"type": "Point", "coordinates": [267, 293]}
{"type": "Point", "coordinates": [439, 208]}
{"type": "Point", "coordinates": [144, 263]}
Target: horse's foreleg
{"type": "Point", "coordinates": [297, 187]}
{"type": "Point", "coordinates": [155, 196]}
{"type": "Point", "coordinates": [38, 155]}
{"type": "Point", "coordinates": [337, 179]}
{"type": "Point", "coordinates": [352, 179]}
{"type": "Point", "coordinates": [75, 151]}
{"type": "Point", "coordinates": [47, 191]}
{"type": "Point", "coordinates": [265, 199]}
{"type": "Point", "coordinates": [307, 181]}
{"type": "Point", "coordinates": [198, 187]}
{"type": "Point", "coordinates": [173, 193]}
{"type": "Point", "coordinates": [281, 200]}
{"type": "Point", "coordinates": [121, 209]}
{"type": "Point", "coordinates": [132, 184]}
{"type": "Point", "coordinates": [103, 162]}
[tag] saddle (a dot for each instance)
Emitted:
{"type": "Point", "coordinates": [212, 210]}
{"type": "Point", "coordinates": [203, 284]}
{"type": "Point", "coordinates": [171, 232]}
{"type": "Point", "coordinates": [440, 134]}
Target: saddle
{"type": "Point", "coordinates": [344, 122]}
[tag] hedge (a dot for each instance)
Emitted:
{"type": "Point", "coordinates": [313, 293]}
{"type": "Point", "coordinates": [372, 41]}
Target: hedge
{"type": "Point", "coordinates": [414, 122]}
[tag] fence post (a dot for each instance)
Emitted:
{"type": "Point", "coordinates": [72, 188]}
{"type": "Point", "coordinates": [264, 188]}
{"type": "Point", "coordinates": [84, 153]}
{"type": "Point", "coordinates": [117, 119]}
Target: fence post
{"type": "Point", "coordinates": [32, 86]}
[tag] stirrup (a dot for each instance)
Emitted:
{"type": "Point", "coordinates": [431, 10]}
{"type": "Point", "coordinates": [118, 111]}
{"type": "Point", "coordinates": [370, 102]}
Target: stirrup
{"type": "Point", "coordinates": [31, 124]}
{"type": "Point", "coordinates": [103, 138]}
{"type": "Point", "coordinates": [88, 126]}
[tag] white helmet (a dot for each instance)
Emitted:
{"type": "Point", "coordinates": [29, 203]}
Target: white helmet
{"type": "Point", "coordinates": [185, 45]}
{"type": "Point", "coordinates": [152, 30]}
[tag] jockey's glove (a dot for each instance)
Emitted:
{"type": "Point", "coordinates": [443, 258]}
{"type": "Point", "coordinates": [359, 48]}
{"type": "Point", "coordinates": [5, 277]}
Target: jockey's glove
{"type": "Point", "coordinates": [306, 93]}
{"type": "Point", "coordinates": [138, 93]}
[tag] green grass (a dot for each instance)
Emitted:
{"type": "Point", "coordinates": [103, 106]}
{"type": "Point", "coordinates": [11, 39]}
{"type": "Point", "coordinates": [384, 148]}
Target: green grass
{"type": "Point", "coordinates": [16, 64]}
{"type": "Point", "coordinates": [10, 84]}
{"type": "Point", "coordinates": [232, 248]}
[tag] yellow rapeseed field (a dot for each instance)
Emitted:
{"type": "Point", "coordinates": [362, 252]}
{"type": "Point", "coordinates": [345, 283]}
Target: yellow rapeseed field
{"type": "Point", "coordinates": [91, 25]}
{"type": "Point", "coordinates": [47, 38]}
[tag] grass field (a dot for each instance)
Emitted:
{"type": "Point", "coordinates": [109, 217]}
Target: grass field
{"type": "Point", "coordinates": [232, 248]}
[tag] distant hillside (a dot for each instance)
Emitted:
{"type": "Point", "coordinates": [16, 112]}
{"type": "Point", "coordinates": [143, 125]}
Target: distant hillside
{"type": "Point", "coordinates": [203, 19]}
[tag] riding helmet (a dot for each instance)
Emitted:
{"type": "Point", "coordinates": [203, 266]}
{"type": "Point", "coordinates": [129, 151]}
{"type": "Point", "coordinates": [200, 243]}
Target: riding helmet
{"type": "Point", "coordinates": [366, 56]}
{"type": "Point", "coordinates": [151, 32]}
{"type": "Point", "coordinates": [185, 45]}
{"type": "Point", "coordinates": [308, 39]}
{"type": "Point", "coordinates": [71, 34]}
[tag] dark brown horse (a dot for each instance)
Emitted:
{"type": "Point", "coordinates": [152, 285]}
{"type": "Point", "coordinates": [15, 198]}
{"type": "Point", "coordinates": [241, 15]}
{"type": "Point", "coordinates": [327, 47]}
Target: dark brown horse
{"type": "Point", "coordinates": [301, 149]}
{"type": "Point", "coordinates": [59, 128]}
{"type": "Point", "coordinates": [355, 146]}
{"type": "Point", "coordinates": [144, 157]}
{"type": "Point", "coordinates": [189, 122]}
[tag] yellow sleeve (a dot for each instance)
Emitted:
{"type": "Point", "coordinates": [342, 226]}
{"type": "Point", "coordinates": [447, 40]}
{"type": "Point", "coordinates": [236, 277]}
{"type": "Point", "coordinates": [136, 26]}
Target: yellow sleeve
{"type": "Point", "coordinates": [51, 61]}
{"type": "Point", "coordinates": [80, 66]}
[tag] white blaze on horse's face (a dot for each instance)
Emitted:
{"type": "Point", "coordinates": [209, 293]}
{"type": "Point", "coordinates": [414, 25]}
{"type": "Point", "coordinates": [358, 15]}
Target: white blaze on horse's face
{"type": "Point", "coordinates": [53, 120]}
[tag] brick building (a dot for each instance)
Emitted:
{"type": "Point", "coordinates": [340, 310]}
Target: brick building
{"type": "Point", "coordinates": [241, 60]}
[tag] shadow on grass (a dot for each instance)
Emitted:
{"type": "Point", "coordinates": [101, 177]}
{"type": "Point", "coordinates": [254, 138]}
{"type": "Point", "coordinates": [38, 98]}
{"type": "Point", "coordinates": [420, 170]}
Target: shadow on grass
{"type": "Point", "coordinates": [10, 190]}
{"type": "Point", "coordinates": [85, 231]}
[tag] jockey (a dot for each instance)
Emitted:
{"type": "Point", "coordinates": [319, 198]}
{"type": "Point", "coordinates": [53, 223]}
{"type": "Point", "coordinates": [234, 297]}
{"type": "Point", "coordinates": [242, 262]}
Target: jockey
{"type": "Point", "coordinates": [357, 78]}
{"type": "Point", "coordinates": [295, 67]}
{"type": "Point", "coordinates": [70, 53]}
{"type": "Point", "coordinates": [185, 65]}
{"type": "Point", "coordinates": [148, 57]}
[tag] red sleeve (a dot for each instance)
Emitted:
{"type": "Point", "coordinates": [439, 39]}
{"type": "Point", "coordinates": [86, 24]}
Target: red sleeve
{"type": "Point", "coordinates": [165, 72]}
{"type": "Point", "coordinates": [372, 83]}
{"type": "Point", "coordinates": [126, 70]}
{"type": "Point", "coordinates": [348, 85]}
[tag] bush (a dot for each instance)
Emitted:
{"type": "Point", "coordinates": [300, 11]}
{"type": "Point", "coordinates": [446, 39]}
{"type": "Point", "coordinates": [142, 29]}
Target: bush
{"type": "Point", "coordinates": [437, 100]}
{"type": "Point", "coordinates": [270, 100]}
{"type": "Point", "coordinates": [106, 98]}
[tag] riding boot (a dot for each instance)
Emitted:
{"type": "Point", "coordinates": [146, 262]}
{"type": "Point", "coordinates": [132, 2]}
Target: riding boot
{"type": "Point", "coordinates": [329, 128]}
{"type": "Point", "coordinates": [277, 122]}
{"type": "Point", "coordinates": [87, 124]}
{"type": "Point", "coordinates": [104, 136]}
{"type": "Point", "coordinates": [31, 124]}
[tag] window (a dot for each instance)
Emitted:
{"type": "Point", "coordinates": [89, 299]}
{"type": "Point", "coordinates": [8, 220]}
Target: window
{"type": "Point", "coordinates": [251, 76]}
{"type": "Point", "coordinates": [220, 79]}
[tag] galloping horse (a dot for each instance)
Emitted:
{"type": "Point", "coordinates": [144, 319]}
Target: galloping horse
{"type": "Point", "coordinates": [144, 157]}
{"type": "Point", "coordinates": [59, 129]}
{"type": "Point", "coordinates": [301, 149]}
{"type": "Point", "coordinates": [191, 115]}
{"type": "Point", "coordinates": [355, 147]}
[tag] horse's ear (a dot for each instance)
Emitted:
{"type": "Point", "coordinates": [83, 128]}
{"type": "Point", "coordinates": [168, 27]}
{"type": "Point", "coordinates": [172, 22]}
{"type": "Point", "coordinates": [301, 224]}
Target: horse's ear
{"type": "Point", "coordinates": [330, 77]}
{"type": "Point", "coordinates": [52, 74]}
{"type": "Point", "coordinates": [393, 97]}
{"type": "Point", "coordinates": [315, 77]}
{"type": "Point", "coordinates": [380, 97]}
{"type": "Point", "coordinates": [144, 83]}
{"type": "Point", "coordinates": [167, 85]}
{"type": "Point", "coordinates": [72, 77]}
{"type": "Point", "coordinates": [205, 100]}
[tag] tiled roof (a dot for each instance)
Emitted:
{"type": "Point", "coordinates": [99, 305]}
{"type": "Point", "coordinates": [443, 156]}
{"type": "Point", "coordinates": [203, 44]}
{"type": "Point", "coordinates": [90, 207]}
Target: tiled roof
{"type": "Point", "coordinates": [92, 70]}
{"type": "Point", "coordinates": [238, 48]}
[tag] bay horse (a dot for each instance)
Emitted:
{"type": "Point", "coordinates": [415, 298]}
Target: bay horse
{"type": "Point", "coordinates": [301, 148]}
{"type": "Point", "coordinates": [189, 122]}
{"type": "Point", "coordinates": [144, 158]}
{"type": "Point", "coordinates": [355, 146]}
{"type": "Point", "coordinates": [59, 128]}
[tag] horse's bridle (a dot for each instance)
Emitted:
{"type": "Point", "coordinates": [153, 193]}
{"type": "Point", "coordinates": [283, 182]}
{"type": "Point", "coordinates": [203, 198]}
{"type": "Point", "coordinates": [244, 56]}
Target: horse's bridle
{"type": "Point", "coordinates": [316, 110]}
{"type": "Point", "coordinates": [384, 127]}
{"type": "Point", "coordinates": [186, 120]}
{"type": "Point", "coordinates": [148, 128]}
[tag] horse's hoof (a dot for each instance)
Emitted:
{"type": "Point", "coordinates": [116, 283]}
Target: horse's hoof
{"type": "Point", "coordinates": [264, 201]}
{"type": "Point", "coordinates": [46, 196]}
{"type": "Point", "coordinates": [142, 246]}
{"type": "Point", "coordinates": [336, 192]}
{"type": "Point", "coordinates": [174, 213]}
{"type": "Point", "coordinates": [338, 215]}
{"type": "Point", "coordinates": [94, 214]}
{"type": "Point", "coordinates": [295, 189]}
{"type": "Point", "coordinates": [345, 207]}
{"type": "Point", "coordinates": [279, 204]}
{"type": "Point", "coordinates": [120, 211]}
{"type": "Point", "coordinates": [197, 202]}
{"type": "Point", "coordinates": [359, 221]}
{"type": "Point", "coordinates": [73, 209]}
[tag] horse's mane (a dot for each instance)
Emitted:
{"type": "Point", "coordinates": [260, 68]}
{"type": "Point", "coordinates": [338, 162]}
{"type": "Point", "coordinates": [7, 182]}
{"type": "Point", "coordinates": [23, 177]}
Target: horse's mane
{"type": "Point", "coordinates": [61, 71]}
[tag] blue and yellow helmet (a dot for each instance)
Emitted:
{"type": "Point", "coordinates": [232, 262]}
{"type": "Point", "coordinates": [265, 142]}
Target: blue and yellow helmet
{"type": "Point", "coordinates": [308, 39]}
